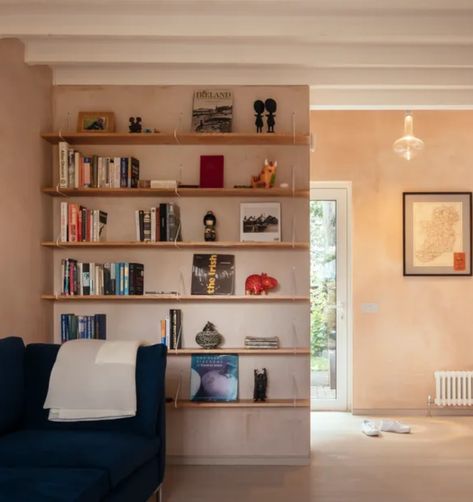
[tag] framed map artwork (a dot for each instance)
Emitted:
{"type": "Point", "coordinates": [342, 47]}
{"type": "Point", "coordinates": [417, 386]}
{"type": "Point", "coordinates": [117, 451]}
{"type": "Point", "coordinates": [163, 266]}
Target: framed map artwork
{"type": "Point", "coordinates": [437, 233]}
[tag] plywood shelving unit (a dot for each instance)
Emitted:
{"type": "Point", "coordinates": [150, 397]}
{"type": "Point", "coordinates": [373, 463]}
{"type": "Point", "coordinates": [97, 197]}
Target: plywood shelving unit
{"type": "Point", "coordinates": [236, 315]}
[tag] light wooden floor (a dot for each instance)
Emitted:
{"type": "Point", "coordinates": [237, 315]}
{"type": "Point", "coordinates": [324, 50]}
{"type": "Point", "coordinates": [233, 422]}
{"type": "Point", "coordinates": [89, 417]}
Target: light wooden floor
{"type": "Point", "coordinates": [433, 464]}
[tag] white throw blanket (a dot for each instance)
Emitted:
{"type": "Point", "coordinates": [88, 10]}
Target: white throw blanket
{"type": "Point", "coordinates": [93, 380]}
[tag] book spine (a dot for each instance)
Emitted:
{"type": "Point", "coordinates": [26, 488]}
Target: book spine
{"type": "Point", "coordinates": [86, 279]}
{"type": "Point", "coordinates": [64, 217]}
{"type": "Point", "coordinates": [113, 279]}
{"type": "Point", "coordinates": [147, 225]}
{"type": "Point", "coordinates": [123, 172]}
{"type": "Point", "coordinates": [92, 278]}
{"type": "Point", "coordinates": [167, 341]}
{"type": "Point", "coordinates": [63, 167]}
{"type": "Point", "coordinates": [134, 172]}
{"type": "Point", "coordinates": [162, 224]}
{"type": "Point", "coordinates": [77, 169]}
{"type": "Point", "coordinates": [95, 172]}
{"type": "Point", "coordinates": [153, 224]}
{"type": "Point", "coordinates": [126, 279]}
{"type": "Point", "coordinates": [102, 225]}
{"type": "Point", "coordinates": [70, 168]}
{"type": "Point", "coordinates": [79, 224]}
{"type": "Point", "coordinates": [116, 172]}
{"type": "Point", "coordinates": [141, 219]}
{"type": "Point", "coordinates": [137, 225]}
{"type": "Point", "coordinates": [163, 331]}
{"type": "Point", "coordinates": [72, 222]}
{"type": "Point", "coordinates": [63, 327]}
{"type": "Point", "coordinates": [128, 172]}
{"type": "Point", "coordinates": [102, 326]}
{"type": "Point", "coordinates": [87, 165]}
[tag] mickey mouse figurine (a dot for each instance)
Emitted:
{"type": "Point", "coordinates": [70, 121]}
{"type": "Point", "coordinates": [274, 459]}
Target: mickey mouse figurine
{"type": "Point", "coordinates": [210, 222]}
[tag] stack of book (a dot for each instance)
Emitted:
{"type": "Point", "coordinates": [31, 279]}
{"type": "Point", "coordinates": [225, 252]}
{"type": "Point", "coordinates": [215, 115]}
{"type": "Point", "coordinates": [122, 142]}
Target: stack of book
{"type": "Point", "coordinates": [80, 224]}
{"type": "Point", "coordinates": [261, 342]}
{"type": "Point", "coordinates": [101, 279]}
{"type": "Point", "coordinates": [160, 223]}
{"type": "Point", "coordinates": [81, 171]}
{"type": "Point", "coordinates": [171, 329]}
{"type": "Point", "coordinates": [89, 327]}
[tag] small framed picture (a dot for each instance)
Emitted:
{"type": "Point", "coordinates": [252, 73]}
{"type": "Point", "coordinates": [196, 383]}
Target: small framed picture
{"type": "Point", "coordinates": [437, 233]}
{"type": "Point", "coordinates": [260, 222]}
{"type": "Point", "coordinates": [96, 122]}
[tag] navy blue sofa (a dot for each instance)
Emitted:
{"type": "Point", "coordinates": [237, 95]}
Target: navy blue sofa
{"type": "Point", "coordinates": [114, 460]}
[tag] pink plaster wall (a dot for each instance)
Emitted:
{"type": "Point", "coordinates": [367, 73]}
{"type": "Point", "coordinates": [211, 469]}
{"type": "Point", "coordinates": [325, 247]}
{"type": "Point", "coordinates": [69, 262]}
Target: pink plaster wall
{"type": "Point", "coordinates": [423, 323]}
{"type": "Point", "coordinates": [25, 214]}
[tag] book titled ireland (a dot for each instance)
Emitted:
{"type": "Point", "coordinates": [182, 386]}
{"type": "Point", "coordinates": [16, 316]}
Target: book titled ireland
{"type": "Point", "coordinates": [213, 110]}
{"type": "Point", "coordinates": [214, 377]}
{"type": "Point", "coordinates": [213, 274]}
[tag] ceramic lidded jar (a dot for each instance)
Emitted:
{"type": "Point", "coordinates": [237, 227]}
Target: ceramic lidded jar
{"type": "Point", "coordinates": [209, 337]}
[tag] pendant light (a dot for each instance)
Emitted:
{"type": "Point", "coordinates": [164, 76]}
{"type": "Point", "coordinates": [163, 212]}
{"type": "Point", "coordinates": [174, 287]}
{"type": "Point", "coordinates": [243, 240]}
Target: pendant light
{"type": "Point", "coordinates": [408, 146]}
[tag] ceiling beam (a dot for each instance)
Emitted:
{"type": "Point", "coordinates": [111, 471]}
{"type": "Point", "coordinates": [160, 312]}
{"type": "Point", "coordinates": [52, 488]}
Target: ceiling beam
{"type": "Point", "coordinates": [79, 50]}
{"type": "Point", "coordinates": [446, 29]}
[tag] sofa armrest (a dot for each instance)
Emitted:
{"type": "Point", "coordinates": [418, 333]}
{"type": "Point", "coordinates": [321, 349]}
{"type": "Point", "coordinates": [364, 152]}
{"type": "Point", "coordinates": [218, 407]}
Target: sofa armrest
{"type": "Point", "coordinates": [12, 395]}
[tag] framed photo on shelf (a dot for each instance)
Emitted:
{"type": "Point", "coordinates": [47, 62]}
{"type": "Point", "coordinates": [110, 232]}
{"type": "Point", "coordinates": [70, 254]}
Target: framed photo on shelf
{"type": "Point", "coordinates": [260, 222]}
{"type": "Point", "coordinates": [437, 233]}
{"type": "Point", "coordinates": [96, 122]}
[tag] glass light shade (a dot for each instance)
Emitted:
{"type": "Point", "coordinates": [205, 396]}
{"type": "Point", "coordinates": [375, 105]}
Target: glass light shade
{"type": "Point", "coordinates": [408, 146]}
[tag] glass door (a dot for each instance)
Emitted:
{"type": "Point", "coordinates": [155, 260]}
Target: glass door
{"type": "Point", "coordinates": [329, 295]}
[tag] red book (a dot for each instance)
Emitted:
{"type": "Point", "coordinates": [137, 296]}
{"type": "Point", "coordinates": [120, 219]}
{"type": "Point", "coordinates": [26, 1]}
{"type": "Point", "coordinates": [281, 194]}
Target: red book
{"type": "Point", "coordinates": [211, 171]}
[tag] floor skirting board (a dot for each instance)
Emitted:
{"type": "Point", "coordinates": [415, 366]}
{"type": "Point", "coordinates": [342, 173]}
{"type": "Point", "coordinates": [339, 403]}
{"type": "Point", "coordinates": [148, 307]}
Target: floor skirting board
{"type": "Point", "coordinates": [435, 411]}
{"type": "Point", "coordinates": [241, 460]}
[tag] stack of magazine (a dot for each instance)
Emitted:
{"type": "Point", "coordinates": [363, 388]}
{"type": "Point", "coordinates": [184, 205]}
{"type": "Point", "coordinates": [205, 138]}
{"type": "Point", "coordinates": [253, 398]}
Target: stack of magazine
{"type": "Point", "coordinates": [261, 342]}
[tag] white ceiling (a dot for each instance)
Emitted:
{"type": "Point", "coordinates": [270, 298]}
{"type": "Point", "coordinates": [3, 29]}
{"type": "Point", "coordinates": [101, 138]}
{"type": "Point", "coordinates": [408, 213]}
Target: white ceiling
{"type": "Point", "coordinates": [353, 53]}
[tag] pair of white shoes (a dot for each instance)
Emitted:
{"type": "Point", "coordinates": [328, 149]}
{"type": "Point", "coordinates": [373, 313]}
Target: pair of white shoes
{"type": "Point", "coordinates": [371, 428]}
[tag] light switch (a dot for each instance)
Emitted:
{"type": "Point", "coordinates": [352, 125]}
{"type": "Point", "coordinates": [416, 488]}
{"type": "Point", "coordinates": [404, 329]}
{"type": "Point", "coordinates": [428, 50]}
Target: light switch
{"type": "Point", "coordinates": [369, 308]}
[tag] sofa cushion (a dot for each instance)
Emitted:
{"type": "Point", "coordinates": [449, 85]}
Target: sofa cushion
{"type": "Point", "coordinates": [119, 454]}
{"type": "Point", "coordinates": [150, 374]}
{"type": "Point", "coordinates": [52, 485]}
{"type": "Point", "coordinates": [12, 351]}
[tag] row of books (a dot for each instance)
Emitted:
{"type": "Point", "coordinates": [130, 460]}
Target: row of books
{"type": "Point", "coordinates": [88, 327]}
{"type": "Point", "coordinates": [80, 224]}
{"type": "Point", "coordinates": [86, 279]}
{"type": "Point", "coordinates": [160, 223]}
{"type": "Point", "coordinates": [81, 171]}
{"type": "Point", "coordinates": [171, 329]}
{"type": "Point", "coordinates": [261, 342]}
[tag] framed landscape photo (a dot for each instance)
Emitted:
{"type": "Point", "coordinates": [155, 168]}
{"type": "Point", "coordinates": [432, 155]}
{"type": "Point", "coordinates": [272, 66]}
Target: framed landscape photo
{"type": "Point", "coordinates": [96, 122]}
{"type": "Point", "coordinates": [437, 233]}
{"type": "Point", "coordinates": [260, 222]}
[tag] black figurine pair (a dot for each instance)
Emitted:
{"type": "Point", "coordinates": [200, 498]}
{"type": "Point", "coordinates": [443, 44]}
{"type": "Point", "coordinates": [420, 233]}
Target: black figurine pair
{"type": "Point", "coordinates": [259, 107]}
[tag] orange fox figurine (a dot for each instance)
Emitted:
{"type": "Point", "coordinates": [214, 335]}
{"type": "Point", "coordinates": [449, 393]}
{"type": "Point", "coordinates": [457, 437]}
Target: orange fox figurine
{"type": "Point", "coordinates": [267, 177]}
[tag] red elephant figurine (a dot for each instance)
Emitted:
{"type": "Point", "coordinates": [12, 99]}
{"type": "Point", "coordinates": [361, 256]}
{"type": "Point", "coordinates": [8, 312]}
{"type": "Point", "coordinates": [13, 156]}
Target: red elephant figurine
{"type": "Point", "coordinates": [259, 284]}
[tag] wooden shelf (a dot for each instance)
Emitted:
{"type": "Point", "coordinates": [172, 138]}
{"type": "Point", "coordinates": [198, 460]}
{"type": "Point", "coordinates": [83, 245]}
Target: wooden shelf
{"type": "Point", "coordinates": [176, 298]}
{"type": "Point", "coordinates": [180, 192]}
{"type": "Point", "coordinates": [299, 351]}
{"type": "Point", "coordinates": [244, 403]}
{"type": "Point", "coordinates": [176, 245]}
{"type": "Point", "coordinates": [125, 138]}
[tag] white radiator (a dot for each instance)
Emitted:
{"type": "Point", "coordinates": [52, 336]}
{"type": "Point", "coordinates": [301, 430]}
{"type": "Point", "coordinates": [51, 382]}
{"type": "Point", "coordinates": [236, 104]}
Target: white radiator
{"type": "Point", "coordinates": [454, 388]}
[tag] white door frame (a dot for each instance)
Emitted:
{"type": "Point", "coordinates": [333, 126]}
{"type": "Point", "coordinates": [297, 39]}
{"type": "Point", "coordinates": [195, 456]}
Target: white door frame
{"type": "Point", "coordinates": [347, 187]}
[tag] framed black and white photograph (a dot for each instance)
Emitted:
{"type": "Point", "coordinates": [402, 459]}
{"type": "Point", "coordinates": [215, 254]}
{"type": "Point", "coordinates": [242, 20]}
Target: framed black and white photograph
{"type": "Point", "coordinates": [437, 233]}
{"type": "Point", "coordinates": [260, 222]}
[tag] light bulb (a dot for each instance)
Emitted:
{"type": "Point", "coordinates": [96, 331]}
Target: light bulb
{"type": "Point", "coordinates": [408, 146]}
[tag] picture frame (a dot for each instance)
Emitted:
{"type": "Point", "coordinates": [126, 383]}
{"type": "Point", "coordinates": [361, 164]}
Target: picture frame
{"type": "Point", "coordinates": [96, 122]}
{"type": "Point", "coordinates": [437, 233]}
{"type": "Point", "coordinates": [260, 222]}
